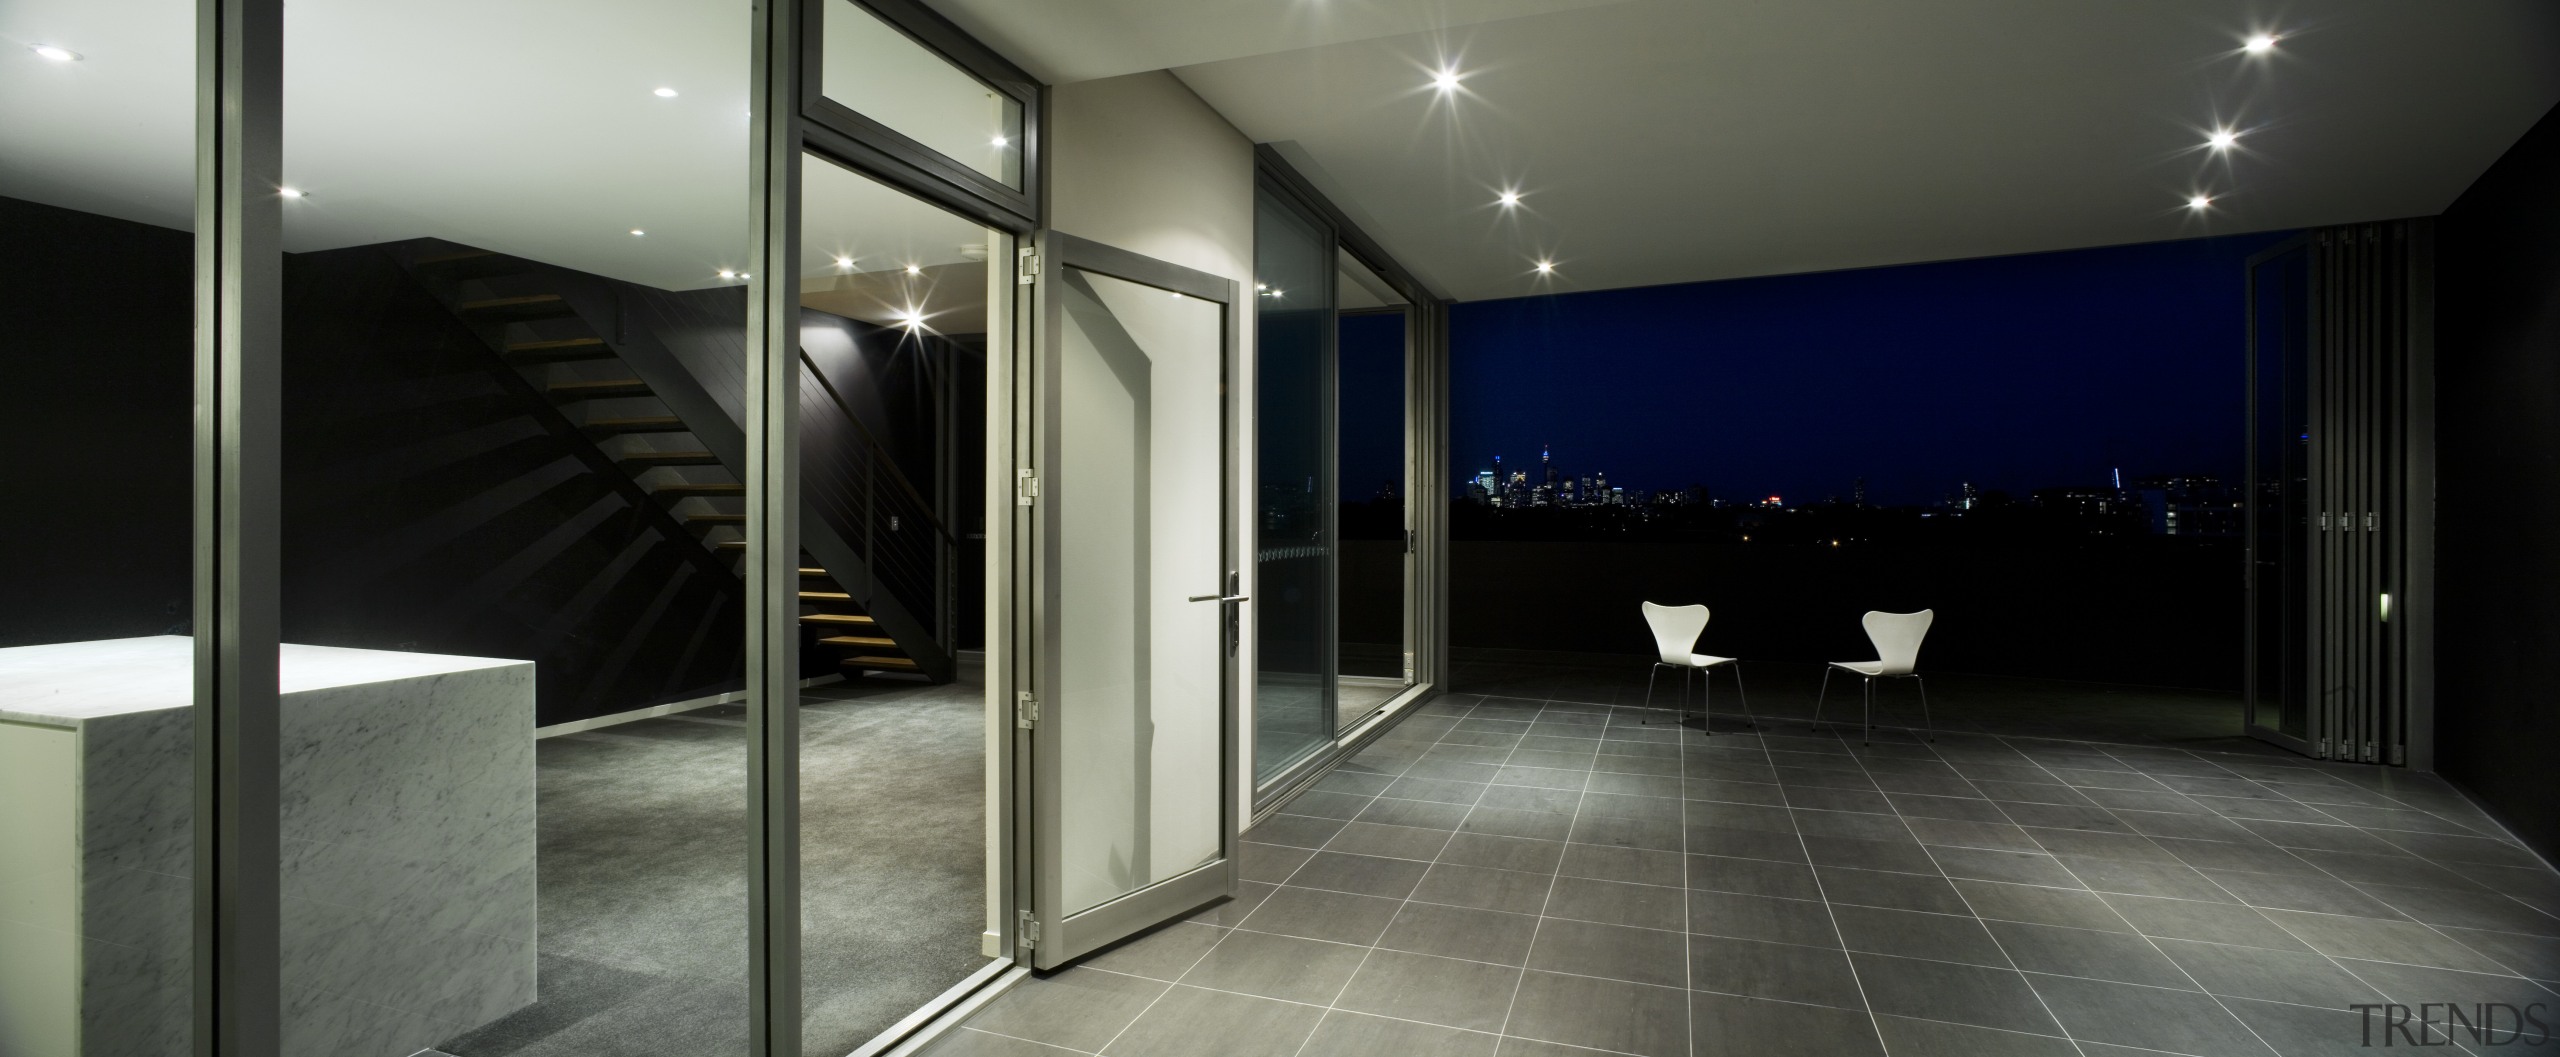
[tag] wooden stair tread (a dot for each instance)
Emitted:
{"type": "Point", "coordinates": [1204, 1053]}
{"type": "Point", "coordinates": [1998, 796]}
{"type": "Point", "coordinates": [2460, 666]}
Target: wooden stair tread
{"type": "Point", "coordinates": [812, 570]}
{"type": "Point", "coordinates": [529, 306]}
{"type": "Point", "coordinates": [607, 387]}
{"type": "Point", "coordinates": [865, 641]}
{"type": "Point", "coordinates": [825, 596]}
{"type": "Point", "coordinates": [560, 350]}
{"type": "Point", "coordinates": [646, 459]}
{"type": "Point", "coordinates": [639, 424]}
{"type": "Point", "coordinates": [731, 545]}
{"type": "Point", "coordinates": [846, 619]}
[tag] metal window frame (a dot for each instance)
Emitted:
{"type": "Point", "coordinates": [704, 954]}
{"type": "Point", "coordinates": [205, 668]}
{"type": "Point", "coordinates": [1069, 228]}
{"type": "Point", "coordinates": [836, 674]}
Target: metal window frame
{"type": "Point", "coordinates": [235, 986]}
{"type": "Point", "coordinates": [1427, 454]}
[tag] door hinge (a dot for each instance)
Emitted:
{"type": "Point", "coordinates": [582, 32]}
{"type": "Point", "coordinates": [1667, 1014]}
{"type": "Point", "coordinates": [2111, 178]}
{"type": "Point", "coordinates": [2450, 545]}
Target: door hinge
{"type": "Point", "coordinates": [1026, 709]}
{"type": "Point", "coordinates": [1026, 931]}
{"type": "Point", "coordinates": [2324, 521]}
{"type": "Point", "coordinates": [2320, 751]}
{"type": "Point", "coordinates": [2368, 521]}
{"type": "Point", "coordinates": [1030, 269]}
{"type": "Point", "coordinates": [1026, 486]}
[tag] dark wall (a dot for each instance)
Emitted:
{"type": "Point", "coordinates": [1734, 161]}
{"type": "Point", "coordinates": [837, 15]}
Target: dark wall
{"type": "Point", "coordinates": [428, 508]}
{"type": "Point", "coordinates": [96, 376]}
{"type": "Point", "coordinates": [2498, 487]}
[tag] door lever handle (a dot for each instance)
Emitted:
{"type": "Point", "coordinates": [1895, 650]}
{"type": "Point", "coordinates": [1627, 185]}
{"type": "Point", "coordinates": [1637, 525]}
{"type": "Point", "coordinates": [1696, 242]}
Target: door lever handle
{"type": "Point", "coordinates": [1221, 598]}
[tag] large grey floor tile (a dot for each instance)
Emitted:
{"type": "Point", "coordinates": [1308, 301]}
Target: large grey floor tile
{"type": "Point", "coordinates": [970, 1042]}
{"type": "Point", "coordinates": [1731, 1024]}
{"type": "Point", "coordinates": [1366, 875]}
{"type": "Point", "coordinates": [1282, 967]}
{"type": "Point", "coordinates": [1758, 877]}
{"type": "Point", "coordinates": [1461, 932]}
{"type": "Point", "coordinates": [1912, 934]}
{"type": "Point", "coordinates": [1163, 954]}
{"type": "Point", "coordinates": [1080, 1009]}
{"type": "Point", "coordinates": [1782, 971]}
{"type": "Point", "coordinates": [1602, 1014]}
{"type": "Point", "coordinates": [1892, 891]}
{"type": "Point", "coordinates": [1617, 903]}
{"type": "Point", "coordinates": [2188, 919]}
{"type": "Point", "coordinates": [1458, 994]}
{"type": "Point", "coordinates": [2388, 941]}
{"type": "Point", "coordinates": [1337, 916]}
{"type": "Point", "coordinates": [2188, 1022]}
{"type": "Point", "coordinates": [2299, 977]}
{"type": "Point", "coordinates": [1189, 1021]}
{"type": "Point", "coordinates": [1617, 952]}
{"type": "Point", "coordinates": [1347, 1034]}
{"type": "Point", "coordinates": [1962, 994]}
{"type": "Point", "coordinates": [1929, 1038]}
{"type": "Point", "coordinates": [1761, 918]}
{"type": "Point", "coordinates": [1484, 888]}
{"type": "Point", "coordinates": [2118, 956]}
{"type": "Point", "coordinates": [2040, 906]}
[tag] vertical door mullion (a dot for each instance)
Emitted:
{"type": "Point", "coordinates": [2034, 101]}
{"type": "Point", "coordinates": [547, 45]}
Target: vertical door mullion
{"type": "Point", "coordinates": [237, 480]}
{"type": "Point", "coordinates": [773, 531]}
{"type": "Point", "coordinates": [2319, 648]}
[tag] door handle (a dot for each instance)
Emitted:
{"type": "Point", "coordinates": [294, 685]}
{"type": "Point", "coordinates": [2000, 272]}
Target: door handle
{"type": "Point", "coordinates": [1221, 598]}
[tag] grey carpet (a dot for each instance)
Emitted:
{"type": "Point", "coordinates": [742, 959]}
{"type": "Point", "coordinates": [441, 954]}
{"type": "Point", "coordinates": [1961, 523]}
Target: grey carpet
{"type": "Point", "coordinates": [643, 875]}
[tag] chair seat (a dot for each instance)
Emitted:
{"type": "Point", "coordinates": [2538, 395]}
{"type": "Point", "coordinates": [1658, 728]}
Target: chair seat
{"type": "Point", "coordinates": [1861, 667]}
{"type": "Point", "coordinates": [1704, 660]}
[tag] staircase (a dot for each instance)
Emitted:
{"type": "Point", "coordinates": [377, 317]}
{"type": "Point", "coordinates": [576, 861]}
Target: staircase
{"type": "Point", "coordinates": [651, 422]}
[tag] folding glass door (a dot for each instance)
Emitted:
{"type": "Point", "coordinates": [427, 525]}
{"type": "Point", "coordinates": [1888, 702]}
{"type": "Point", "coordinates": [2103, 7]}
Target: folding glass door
{"type": "Point", "coordinates": [1128, 713]}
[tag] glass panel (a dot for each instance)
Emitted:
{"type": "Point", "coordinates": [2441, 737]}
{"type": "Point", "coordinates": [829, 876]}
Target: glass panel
{"type": "Point", "coordinates": [1137, 492]}
{"type": "Point", "coordinates": [1374, 570]}
{"type": "Point", "coordinates": [2280, 460]}
{"type": "Point", "coordinates": [515, 760]}
{"type": "Point", "coordinates": [1293, 581]}
{"type": "Point", "coordinates": [886, 76]}
{"type": "Point", "coordinates": [896, 302]}
{"type": "Point", "coordinates": [97, 123]}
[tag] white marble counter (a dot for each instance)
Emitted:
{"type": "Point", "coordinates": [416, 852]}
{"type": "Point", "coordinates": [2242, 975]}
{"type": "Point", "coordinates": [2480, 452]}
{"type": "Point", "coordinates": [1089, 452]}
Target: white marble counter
{"type": "Point", "coordinates": [408, 828]}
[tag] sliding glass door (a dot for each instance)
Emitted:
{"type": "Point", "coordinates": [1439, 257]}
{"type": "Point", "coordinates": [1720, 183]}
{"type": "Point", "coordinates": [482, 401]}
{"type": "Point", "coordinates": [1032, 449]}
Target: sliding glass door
{"type": "Point", "coordinates": [1294, 499]}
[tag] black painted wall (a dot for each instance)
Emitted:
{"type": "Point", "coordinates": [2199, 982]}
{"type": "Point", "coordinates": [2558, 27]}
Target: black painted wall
{"type": "Point", "coordinates": [96, 362]}
{"type": "Point", "coordinates": [427, 508]}
{"type": "Point", "coordinates": [2498, 488]}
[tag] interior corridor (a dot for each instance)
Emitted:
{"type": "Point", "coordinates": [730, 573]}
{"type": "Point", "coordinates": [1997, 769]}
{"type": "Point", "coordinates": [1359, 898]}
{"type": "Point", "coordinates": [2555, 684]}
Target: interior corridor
{"type": "Point", "coordinates": [1541, 878]}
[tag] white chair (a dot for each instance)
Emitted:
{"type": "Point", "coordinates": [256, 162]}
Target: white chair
{"type": "Point", "coordinates": [1675, 640]}
{"type": "Point", "coordinates": [1897, 639]}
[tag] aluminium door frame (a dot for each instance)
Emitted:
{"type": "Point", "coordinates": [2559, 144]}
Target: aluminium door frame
{"type": "Point", "coordinates": [2253, 702]}
{"type": "Point", "coordinates": [1044, 937]}
{"type": "Point", "coordinates": [1427, 458]}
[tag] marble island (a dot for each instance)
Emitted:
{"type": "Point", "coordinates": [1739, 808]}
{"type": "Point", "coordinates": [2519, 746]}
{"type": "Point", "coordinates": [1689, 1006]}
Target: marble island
{"type": "Point", "coordinates": [408, 841]}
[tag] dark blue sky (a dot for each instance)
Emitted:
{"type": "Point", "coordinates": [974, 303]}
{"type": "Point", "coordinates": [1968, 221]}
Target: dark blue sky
{"type": "Point", "coordinates": [2009, 372]}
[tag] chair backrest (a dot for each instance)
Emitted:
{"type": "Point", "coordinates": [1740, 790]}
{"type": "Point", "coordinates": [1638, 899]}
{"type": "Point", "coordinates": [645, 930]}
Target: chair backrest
{"type": "Point", "coordinates": [1897, 637]}
{"type": "Point", "coordinates": [1675, 630]}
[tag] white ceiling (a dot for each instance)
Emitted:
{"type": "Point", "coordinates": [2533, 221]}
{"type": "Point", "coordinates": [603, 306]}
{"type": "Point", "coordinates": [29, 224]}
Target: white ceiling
{"type": "Point", "coordinates": [1656, 140]}
{"type": "Point", "coordinates": [1665, 141]}
{"type": "Point", "coordinates": [1668, 141]}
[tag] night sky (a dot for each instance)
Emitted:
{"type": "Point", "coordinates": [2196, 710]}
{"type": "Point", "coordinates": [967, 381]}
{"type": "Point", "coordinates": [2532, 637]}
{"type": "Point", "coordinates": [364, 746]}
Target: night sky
{"type": "Point", "coordinates": [2012, 373]}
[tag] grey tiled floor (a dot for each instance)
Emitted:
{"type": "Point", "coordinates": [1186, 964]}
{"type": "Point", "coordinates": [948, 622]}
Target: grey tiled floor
{"type": "Point", "coordinates": [1542, 878]}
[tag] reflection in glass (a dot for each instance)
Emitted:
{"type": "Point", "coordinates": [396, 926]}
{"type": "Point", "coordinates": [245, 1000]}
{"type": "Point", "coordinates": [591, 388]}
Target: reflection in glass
{"type": "Point", "coordinates": [1374, 567]}
{"type": "Point", "coordinates": [1294, 503]}
{"type": "Point", "coordinates": [514, 816]}
{"type": "Point", "coordinates": [897, 298]}
{"type": "Point", "coordinates": [96, 596]}
{"type": "Point", "coordinates": [885, 75]}
{"type": "Point", "coordinates": [2280, 479]}
{"type": "Point", "coordinates": [1137, 495]}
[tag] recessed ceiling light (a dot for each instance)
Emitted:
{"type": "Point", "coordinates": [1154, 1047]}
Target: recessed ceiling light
{"type": "Point", "coordinates": [1510, 198]}
{"type": "Point", "coordinates": [727, 274]}
{"type": "Point", "coordinates": [2199, 202]}
{"type": "Point", "coordinates": [1546, 267]}
{"type": "Point", "coordinates": [636, 233]}
{"type": "Point", "coordinates": [55, 52]}
{"type": "Point", "coordinates": [664, 93]}
{"type": "Point", "coordinates": [1001, 141]}
{"type": "Point", "coordinates": [1445, 80]}
{"type": "Point", "coordinates": [844, 262]}
{"type": "Point", "coordinates": [288, 192]}
{"type": "Point", "coordinates": [915, 269]}
{"type": "Point", "coordinates": [2222, 139]}
{"type": "Point", "coordinates": [2260, 44]}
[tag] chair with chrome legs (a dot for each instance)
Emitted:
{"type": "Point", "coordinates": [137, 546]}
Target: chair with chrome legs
{"type": "Point", "coordinates": [1897, 640]}
{"type": "Point", "coordinates": [1675, 640]}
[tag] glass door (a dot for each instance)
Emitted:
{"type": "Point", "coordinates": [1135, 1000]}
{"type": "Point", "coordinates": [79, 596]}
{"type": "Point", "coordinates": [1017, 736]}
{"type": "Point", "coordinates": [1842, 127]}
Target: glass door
{"type": "Point", "coordinates": [2279, 486]}
{"type": "Point", "coordinates": [1130, 715]}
